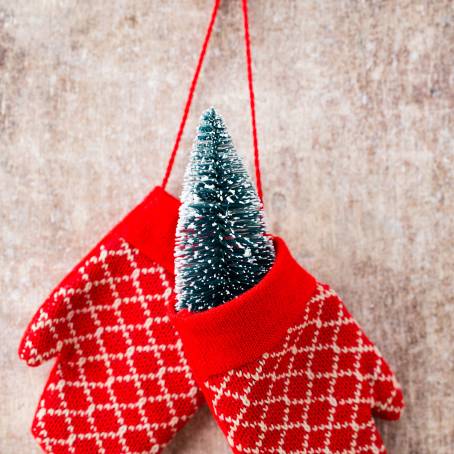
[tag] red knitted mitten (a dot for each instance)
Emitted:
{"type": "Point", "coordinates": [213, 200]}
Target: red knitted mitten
{"type": "Point", "coordinates": [121, 383]}
{"type": "Point", "coordinates": [286, 369]}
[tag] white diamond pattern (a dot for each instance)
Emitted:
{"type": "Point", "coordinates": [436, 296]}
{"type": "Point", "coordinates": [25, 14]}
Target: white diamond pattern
{"type": "Point", "coordinates": [315, 393]}
{"type": "Point", "coordinates": [121, 383]}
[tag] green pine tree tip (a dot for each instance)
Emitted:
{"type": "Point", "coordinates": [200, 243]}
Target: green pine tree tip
{"type": "Point", "coordinates": [221, 248]}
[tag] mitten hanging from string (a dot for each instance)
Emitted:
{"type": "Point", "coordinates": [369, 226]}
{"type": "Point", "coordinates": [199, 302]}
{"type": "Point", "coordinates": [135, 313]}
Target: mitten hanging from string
{"type": "Point", "coordinates": [221, 244]}
{"type": "Point", "coordinates": [285, 368]}
{"type": "Point", "coordinates": [121, 383]}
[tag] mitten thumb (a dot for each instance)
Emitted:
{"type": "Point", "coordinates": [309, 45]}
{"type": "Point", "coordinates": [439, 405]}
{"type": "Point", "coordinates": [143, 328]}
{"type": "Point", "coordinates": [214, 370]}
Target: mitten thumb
{"type": "Point", "coordinates": [387, 398]}
{"type": "Point", "coordinates": [48, 331]}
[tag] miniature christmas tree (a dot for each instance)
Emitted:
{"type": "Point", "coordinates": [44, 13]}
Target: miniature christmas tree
{"type": "Point", "coordinates": [221, 244]}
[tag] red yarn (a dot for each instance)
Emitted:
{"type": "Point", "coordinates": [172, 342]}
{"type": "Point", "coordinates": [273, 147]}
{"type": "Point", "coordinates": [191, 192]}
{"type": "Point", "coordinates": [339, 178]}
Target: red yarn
{"type": "Point", "coordinates": [191, 93]}
{"type": "Point", "coordinates": [247, 43]}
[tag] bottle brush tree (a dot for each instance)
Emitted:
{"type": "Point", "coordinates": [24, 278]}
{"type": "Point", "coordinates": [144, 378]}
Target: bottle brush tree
{"type": "Point", "coordinates": [221, 245]}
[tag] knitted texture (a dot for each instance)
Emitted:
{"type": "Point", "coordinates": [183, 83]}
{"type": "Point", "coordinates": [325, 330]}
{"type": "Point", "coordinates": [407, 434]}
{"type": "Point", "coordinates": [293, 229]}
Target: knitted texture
{"type": "Point", "coordinates": [121, 383]}
{"type": "Point", "coordinates": [315, 390]}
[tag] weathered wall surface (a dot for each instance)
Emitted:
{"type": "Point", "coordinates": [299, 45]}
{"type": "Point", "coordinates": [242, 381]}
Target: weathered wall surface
{"type": "Point", "coordinates": [354, 103]}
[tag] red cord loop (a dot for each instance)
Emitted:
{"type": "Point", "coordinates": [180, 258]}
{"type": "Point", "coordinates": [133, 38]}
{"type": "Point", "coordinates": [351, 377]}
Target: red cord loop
{"type": "Point", "coordinates": [247, 42]}
{"type": "Point", "coordinates": [191, 93]}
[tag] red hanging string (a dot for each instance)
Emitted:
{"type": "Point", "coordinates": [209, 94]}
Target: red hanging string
{"type": "Point", "coordinates": [191, 93]}
{"type": "Point", "coordinates": [247, 41]}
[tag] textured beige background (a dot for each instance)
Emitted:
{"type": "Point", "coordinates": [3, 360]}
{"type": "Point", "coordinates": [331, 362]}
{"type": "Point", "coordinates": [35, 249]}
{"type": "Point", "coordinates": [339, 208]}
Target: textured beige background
{"type": "Point", "coordinates": [354, 104]}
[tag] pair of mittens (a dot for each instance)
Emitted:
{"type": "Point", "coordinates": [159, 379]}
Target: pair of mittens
{"type": "Point", "coordinates": [283, 367]}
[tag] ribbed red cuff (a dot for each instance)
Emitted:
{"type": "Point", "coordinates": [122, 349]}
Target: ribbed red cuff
{"type": "Point", "coordinates": [151, 225]}
{"type": "Point", "coordinates": [242, 329]}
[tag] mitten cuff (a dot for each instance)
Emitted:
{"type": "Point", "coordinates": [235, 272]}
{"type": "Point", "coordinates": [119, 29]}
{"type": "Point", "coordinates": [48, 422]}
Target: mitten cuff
{"type": "Point", "coordinates": [242, 329]}
{"type": "Point", "coordinates": [150, 227]}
